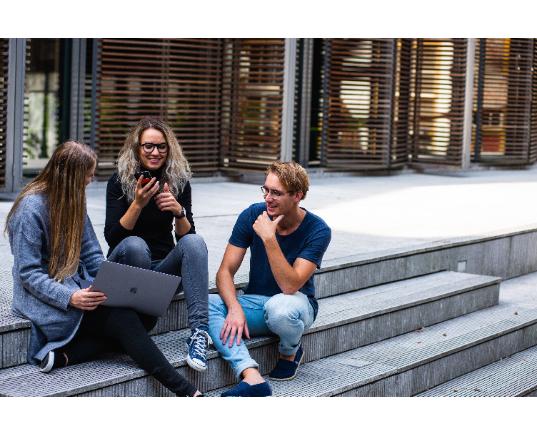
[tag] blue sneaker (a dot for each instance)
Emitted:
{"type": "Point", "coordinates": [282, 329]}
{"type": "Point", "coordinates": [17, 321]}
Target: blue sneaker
{"type": "Point", "coordinates": [197, 346]}
{"type": "Point", "coordinates": [243, 389]}
{"type": "Point", "coordinates": [286, 370]}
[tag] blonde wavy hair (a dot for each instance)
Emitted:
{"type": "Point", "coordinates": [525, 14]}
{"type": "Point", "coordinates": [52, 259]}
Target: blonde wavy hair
{"type": "Point", "coordinates": [63, 181]}
{"type": "Point", "coordinates": [176, 171]}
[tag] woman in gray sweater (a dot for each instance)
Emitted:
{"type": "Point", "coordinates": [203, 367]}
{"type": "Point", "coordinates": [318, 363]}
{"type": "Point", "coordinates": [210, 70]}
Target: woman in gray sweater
{"type": "Point", "coordinates": [56, 256]}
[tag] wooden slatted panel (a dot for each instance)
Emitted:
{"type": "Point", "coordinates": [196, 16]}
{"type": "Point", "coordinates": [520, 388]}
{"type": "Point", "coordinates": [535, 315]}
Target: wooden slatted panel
{"type": "Point", "coordinates": [517, 129]}
{"type": "Point", "coordinates": [90, 124]}
{"type": "Point", "coordinates": [533, 116]}
{"type": "Point", "coordinates": [400, 146]}
{"type": "Point", "coordinates": [360, 94]}
{"type": "Point", "coordinates": [439, 89]}
{"type": "Point", "coordinates": [26, 105]}
{"type": "Point", "coordinates": [504, 101]}
{"type": "Point", "coordinates": [252, 102]}
{"type": "Point", "coordinates": [4, 46]}
{"type": "Point", "coordinates": [178, 80]}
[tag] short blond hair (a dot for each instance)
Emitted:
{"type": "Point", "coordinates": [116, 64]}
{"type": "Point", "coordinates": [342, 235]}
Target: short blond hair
{"type": "Point", "coordinates": [293, 176]}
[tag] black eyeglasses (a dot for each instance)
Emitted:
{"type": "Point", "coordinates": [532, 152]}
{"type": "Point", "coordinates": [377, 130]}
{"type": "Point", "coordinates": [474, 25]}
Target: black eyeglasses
{"type": "Point", "coordinates": [149, 147]}
{"type": "Point", "coordinates": [274, 193]}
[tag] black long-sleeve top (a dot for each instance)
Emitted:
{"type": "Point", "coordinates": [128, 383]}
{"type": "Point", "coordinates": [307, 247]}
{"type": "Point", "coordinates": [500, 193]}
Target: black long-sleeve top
{"type": "Point", "coordinates": [153, 225]}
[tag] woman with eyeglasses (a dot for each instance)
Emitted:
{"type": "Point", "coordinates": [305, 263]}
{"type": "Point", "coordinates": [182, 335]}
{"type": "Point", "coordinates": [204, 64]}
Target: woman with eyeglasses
{"type": "Point", "coordinates": [148, 205]}
{"type": "Point", "coordinates": [56, 256]}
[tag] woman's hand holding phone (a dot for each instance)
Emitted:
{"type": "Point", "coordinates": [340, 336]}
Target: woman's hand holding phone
{"type": "Point", "coordinates": [144, 192]}
{"type": "Point", "coordinates": [86, 299]}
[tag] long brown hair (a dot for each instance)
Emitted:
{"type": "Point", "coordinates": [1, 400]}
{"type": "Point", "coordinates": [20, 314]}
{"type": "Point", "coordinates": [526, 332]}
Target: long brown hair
{"type": "Point", "coordinates": [176, 171]}
{"type": "Point", "coordinates": [63, 181]}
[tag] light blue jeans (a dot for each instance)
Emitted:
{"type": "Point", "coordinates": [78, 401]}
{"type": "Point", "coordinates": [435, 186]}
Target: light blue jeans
{"type": "Point", "coordinates": [286, 316]}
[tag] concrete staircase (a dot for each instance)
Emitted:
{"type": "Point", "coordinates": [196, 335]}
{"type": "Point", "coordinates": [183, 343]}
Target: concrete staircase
{"type": "Point", "coordinates": [513, 376]}
{"type": "Point", "coordinates": [400, 324]}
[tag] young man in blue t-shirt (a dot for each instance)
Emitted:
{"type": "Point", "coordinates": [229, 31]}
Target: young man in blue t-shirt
{"type": "Point", "coordinates": [287, 244]}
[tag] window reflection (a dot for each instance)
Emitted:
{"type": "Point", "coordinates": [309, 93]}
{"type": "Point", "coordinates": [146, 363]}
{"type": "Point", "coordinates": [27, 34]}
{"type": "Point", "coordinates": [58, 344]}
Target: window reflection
{"type": "Point", "coordinates": [41, 103]}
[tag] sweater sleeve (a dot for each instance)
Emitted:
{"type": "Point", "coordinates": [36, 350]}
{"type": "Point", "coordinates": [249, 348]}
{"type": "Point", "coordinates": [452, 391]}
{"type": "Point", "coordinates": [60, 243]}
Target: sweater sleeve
{"type": "Point", "coordinates": [27, 239]}
{"type": "Point", "coordinates": [116, 207]}
{"type": "Point", "coordinates": [185, 199]}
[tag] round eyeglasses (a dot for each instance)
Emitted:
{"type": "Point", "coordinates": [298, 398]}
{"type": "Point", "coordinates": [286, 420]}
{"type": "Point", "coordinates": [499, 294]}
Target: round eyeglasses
{"type": "Point", "coordinates": [148, 147]}
{"type": "Point", "coordinates": [274, 193]}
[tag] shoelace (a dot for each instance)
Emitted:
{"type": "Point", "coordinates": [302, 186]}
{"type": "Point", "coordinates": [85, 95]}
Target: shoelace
{"type": "Point", "coordinates": [200, 341]}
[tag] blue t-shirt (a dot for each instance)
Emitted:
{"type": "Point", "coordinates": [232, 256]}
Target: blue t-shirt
{"type": "Point", "coordinates": [309, 241]}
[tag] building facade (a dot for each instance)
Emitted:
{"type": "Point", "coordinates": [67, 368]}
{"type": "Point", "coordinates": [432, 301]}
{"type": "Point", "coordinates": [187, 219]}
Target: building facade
{"type": "Point", "coordinates": [238, 104]}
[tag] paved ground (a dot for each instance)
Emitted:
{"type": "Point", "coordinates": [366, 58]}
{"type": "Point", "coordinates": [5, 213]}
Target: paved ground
{"type": "Point", "coordinates": [366, 214]}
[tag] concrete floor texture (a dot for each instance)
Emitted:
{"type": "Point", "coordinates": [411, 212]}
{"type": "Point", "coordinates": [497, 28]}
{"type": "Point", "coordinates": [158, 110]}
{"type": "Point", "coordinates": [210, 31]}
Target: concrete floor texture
{"type": "Point", "coordinates": [367, 214]}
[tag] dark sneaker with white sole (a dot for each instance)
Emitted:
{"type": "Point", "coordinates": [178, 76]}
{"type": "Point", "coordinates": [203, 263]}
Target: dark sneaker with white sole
{"type": "Point", "coordinates": [286, 370]}
{"type": "Point", "coordinates": [197, 346]}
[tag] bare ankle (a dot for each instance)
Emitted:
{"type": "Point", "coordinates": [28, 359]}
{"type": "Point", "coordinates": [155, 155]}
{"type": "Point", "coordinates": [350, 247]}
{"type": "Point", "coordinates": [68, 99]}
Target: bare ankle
{"type": "Point", "coordinates": [288, 357]}
{"type": "Point", "coordinates": [252, 376]}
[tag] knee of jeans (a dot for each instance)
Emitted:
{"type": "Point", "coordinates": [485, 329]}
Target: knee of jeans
{"type": "Point", "coordinates": [193, 243]}
{"type": "Point", "coordinates": [279, 309]}
{"type": "Point", "coordinates": [216, 305]}
{"type": "Point", "coordinates": [137, 252]}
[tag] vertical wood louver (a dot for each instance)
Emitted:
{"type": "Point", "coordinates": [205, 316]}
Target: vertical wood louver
{"type": "Point", "coordinates": [358, 99]}
{"type": "Point", "coordinates": [178, 80]}
{"type": "Point", "coordinates": [252, 102]}
{"type": "Point", "coordinates": [4, 47]}
{"type": "Point", "coordinates": [90, 124]}
{"type": "Point", "coordinates": [402, 109]}
{"type": "Point", "coordinates": [502, 100]}
{"type": "Point", "coordinates": [439, 90]}
{"type": "Point", "coordinates": [26, 105]}
{"type": "Point", "coordinates": [533, 111]}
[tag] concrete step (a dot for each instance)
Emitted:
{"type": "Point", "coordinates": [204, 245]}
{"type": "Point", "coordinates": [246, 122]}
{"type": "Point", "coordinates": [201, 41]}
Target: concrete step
{"type": "Point", "coordinates": [510, 377]}
{"type": "Point", "coordinates": [500, 254]}
{"type": "Point", "coordinates": [15, 331]}
{"type": "Point", "coordinates": [344, 322]}
{"type": "Point", "coordinates": [412, 363]}
{"type": "Point", "coordinates": [338, 277]}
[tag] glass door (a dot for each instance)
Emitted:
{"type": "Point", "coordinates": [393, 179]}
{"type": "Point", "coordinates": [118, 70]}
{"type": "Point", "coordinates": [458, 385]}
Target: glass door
{"type": "Point", "coordinates": [45, 99]}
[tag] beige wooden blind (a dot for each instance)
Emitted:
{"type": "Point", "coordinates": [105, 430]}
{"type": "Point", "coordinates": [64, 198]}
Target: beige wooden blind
{"type": "Point", "coordinates": [503, 100]}
{"type": "Point", "coordinates": [252, 102]}
{"type": "Point", "coordinates": [360, 90]}
{"type": "Point", "coordinates": [533, 116]}
{"type": "Point", "coordinates": [402, 113]}
{"type": "Point", "coordinates": [178, 80]}
{"type": "Point", "coordinates": [4, 46]}
{"type": "Point", "coordinates": [438, 100]}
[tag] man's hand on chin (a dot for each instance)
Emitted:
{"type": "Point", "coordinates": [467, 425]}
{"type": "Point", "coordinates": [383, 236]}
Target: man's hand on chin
{"type": "Point", "coordinates": [264, 227]}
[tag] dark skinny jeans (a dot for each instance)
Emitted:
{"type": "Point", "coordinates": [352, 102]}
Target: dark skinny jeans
{"type": "Point", "coordinates": [122, 329]}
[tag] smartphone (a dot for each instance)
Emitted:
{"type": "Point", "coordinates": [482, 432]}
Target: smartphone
{"type": "Point", "coordinates": [146, 176]}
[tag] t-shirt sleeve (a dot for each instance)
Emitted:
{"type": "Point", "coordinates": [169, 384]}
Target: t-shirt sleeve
{"type": "Point", "coordinates": [242, 234]}
{"type": "Point", "coordinates": [316, 245]}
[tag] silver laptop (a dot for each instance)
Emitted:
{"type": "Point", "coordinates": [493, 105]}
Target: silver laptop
{"type": "Point", "coordinates": [143, 290]}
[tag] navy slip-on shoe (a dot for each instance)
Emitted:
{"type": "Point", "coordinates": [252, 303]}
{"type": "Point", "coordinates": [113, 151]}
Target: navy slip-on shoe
{"type": "Point", "coordinates": [286, 370]}
{"type": "Point", "coordinates": [243, 389]}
